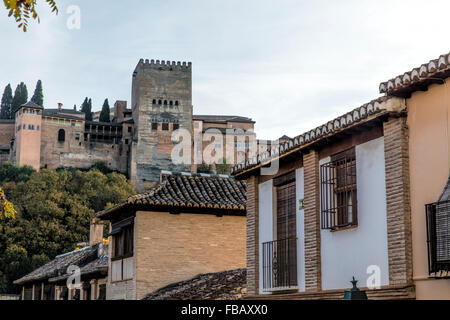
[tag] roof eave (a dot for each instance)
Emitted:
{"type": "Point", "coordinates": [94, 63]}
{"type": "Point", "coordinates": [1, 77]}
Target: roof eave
{"type": "Point", "coordinates": [249, 171]}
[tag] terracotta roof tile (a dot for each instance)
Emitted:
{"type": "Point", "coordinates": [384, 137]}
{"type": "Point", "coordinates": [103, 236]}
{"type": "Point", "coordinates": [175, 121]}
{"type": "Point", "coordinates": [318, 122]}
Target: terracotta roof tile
{"type": "Point", "coordinates": [58, 266]}
{"type": "Point", "coordinates": [189, 190]}
{"type": "Point", "coordinates": [195, 190]}
{"type": "Point", "coordinates": [418, 78]}
{"type": "Point", "coordinates": [328, 129]}
{"type": "Point", "coordinates": [225, 285]}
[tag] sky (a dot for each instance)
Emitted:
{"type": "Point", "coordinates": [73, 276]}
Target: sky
{"type": "Point", "coordinates": [289, 65]}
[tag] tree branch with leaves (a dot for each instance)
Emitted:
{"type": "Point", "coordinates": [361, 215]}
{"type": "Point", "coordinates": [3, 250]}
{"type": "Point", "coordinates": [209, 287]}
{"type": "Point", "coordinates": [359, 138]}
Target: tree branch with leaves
{"type": "Point", "coordinates": [23, 10]}
{"type": "Point", "coordinates": [6, 208]}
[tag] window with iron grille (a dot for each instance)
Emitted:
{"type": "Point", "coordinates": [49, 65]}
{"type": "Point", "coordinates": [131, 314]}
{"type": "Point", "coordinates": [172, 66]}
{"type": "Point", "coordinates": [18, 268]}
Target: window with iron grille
{"type": "Point", "coordinates": [338, 197]}
{"type": "Point", "coordinates": [438, 236]}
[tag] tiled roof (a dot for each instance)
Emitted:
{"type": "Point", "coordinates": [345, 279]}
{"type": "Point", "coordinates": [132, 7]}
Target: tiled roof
{"type": "Point", "coordinates": [188, 190]}
{"type": "Point", "coordinates": [71, 111]}
{"type": "Point", "coordinates": [56, 114]}
{"type": "Point", "coordinates": [99, 265]}
{"type": "Point", "coordinates": [367, 111]}
{"type": "Point", "coordinates": [221, 118]}
{"type": "Point", "coordinates": [58, 266]}
{"type": "Point", "coordinates": [225, 285]}
{"type": "Point", "coordinates": [418, 78]}
{"type": "Point", "coordinates": [31, 104]}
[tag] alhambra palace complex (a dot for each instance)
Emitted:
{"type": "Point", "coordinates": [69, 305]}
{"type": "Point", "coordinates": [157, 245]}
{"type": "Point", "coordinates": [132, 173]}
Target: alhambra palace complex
{"type": "Point", "coordinates": [138, 140]}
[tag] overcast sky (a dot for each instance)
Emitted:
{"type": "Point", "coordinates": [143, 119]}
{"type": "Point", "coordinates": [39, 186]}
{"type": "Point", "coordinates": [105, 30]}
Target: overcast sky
{"type": "Point", "coordinates": [289, 65]}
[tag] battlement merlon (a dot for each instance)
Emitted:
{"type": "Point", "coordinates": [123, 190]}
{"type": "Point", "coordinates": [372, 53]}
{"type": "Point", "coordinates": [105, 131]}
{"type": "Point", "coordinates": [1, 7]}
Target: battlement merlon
{"type": "Point", "coordinates": [163, 65]}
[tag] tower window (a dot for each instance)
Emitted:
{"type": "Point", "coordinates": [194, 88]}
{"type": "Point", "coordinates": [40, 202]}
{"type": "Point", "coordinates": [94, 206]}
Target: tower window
{"type": "Point", "coordinates": [159, 101]}
{"type": "Point", "coordinates": [165, 102]}
{"type": "Point", "coordinates": [38, 128]}
{"type": "Point", "coordinates": [171, 102]}
{"type": "Point", "coordinates": [165, 126]}
{"type": "Point", "coordinates": [24, 126]}
{"type": "Point", "coordinates": [176, 126]}
{"type": "Point", "coordinates": [176, 102]}
{"type": "Point", "coordinates": [154, 126]}
{"type": "Point", "coordinates": [61, 135]}
{"type": "Point", "coordinates": [154, 101]}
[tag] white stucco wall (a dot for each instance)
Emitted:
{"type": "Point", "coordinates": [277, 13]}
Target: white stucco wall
{"type": "Point", "coordinates": [265, 222]}
{"type": "Point", "coordinates": [349, 253]}
{"type": "Point", "coordinates": [299, 178]}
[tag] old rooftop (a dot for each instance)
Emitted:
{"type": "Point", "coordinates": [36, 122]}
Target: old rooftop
{"type": "Point", "coordinates": [221, 118]}
{"type": "Point", "coordinates": [418, 79]}
{"type": "Point", "coordinates": [58, 266]}
{"type": "Point", "coordinates": [225, 285]}
{"type": "Point", "coordinates": [375, 109]}
{"type": "Point", "coordinates": [184, 191]}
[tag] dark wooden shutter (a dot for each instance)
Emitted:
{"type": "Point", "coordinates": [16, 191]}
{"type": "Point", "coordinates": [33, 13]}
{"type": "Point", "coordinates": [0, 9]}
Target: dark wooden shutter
{"type": "Point", "coordinates": [286, 213]}
{"type": "Point", "coordinates": [286, 244]}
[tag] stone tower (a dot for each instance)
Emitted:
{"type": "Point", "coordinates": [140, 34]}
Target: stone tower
{"type": "Point", "coordinates": [161, 102]}
{"type": "Point", "coordinates": [28, 135]}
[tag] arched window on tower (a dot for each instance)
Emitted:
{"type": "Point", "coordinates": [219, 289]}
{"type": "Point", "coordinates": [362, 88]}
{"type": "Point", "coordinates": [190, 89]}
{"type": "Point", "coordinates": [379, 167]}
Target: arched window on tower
{"type": "Point", "coordinates": [176, 102]}
{"type": "Point", "coordinates": [61, 135]}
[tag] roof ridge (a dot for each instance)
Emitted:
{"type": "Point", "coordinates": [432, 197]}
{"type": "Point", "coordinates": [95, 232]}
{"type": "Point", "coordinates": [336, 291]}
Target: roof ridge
{"type": "Point", "coordinates": [195, 174]}
{"type": "Point", "coordinates": [417, 74]}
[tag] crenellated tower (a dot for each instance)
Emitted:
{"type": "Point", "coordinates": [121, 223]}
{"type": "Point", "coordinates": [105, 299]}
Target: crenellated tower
{"type": "Point", "coordinates": [161, 102]}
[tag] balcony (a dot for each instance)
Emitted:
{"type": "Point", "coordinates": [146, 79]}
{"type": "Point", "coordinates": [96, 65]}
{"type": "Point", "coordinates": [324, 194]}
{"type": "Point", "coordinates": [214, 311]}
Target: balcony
{"type": "Point", "coordinates": [280, 265]}
{"type": "Point", "coordinates": [438, 238]}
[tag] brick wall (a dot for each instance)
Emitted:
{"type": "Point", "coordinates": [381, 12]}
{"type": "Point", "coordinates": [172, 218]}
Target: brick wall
{"type": "Point", "coordinates": [398, 201]}
{"type": "Point", "coordinates": [171, 248]}
{"type": "Point", "coordinates": [252, 237]}
{"type": "Point", "coordinates": [313, 281]}
{"type": "Point", "coordinates": [6, 132]}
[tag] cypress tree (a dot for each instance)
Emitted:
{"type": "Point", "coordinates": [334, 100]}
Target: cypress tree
{"type": "Point", "coordinates": [6, 104]}
{"type": "Point", "coordinates": [90, 110]}
{"type": "Point", "coordinates": [38, 96]}
{"type": "Point", "coordinates": [86, 108]}
{"type": "Point", "coordinates": [20, 97]}
{"type": "Point", "coordinates": [104, 115]}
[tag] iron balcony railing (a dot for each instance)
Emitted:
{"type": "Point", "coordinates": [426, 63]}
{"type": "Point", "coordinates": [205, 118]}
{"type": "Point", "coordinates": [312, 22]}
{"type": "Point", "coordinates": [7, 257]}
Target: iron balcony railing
{"type": "Point", "coordinates": [438, 237]}
{"type": "Point", "coordinates": [280, 265]}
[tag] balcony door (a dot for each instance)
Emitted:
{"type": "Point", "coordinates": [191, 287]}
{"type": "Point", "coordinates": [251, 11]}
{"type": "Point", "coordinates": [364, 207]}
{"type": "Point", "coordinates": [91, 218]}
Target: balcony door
{"type": "Point", "coordinates": [286, 246]}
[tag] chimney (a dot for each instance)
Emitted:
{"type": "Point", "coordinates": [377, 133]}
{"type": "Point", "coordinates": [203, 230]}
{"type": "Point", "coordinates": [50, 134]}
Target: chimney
{"type": "Point", "coordinates": [96, 232]}
{"type": "Point", "coordinates": [60, 105]}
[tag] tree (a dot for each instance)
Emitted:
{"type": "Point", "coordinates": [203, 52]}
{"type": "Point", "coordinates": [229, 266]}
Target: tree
{"type": "Point", "coordinates": [90, 110]}
{"type": "Point", "coordinates": [54, 209]}
{"type": "Point", "coordinates": [205, 168]}
{"type": "Point", "coordinates": [38, 96]}
{"type": "Point", "coordinates": [23, 10]}
{"type": "Point", "coordinates": [223, 167]}
{"type": "Point", "coordinates": [6, 208]}
{"type": "Point", "coordinates": [9, 172]}
{"type": "Point", "coordinates": [20, 97]}
{"type": "Point", "coordinates": [86, 107]}
{"type": "Point", "coordinates": [6, 104]}
{"type": "Point", "coordinates": [104, 115]}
